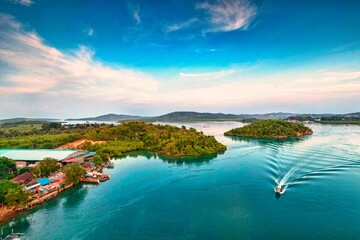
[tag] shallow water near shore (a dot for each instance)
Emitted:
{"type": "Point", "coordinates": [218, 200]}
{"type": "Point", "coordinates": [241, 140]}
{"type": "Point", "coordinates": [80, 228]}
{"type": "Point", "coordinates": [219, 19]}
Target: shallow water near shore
{"type": "Point", "coordinates": [229, 196]}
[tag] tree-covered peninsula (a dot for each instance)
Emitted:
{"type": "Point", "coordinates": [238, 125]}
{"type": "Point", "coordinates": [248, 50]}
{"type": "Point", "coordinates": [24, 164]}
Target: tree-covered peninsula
{"type": "Point", "coordinates": [110, 140]}
{"type": "Point", "coordinates": [162, 139]}
{"type": "Point", "coordinates": [270, 129]}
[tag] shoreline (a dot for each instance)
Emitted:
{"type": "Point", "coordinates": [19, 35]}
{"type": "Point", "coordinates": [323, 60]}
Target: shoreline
{"type": "Point", "coordinates": [7, 213]}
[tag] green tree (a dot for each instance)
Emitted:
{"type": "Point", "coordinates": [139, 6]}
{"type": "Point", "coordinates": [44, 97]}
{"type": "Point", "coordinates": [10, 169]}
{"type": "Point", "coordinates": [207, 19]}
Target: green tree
{"type": "Point", "coordinates": [17, 195]}
{"type": "Point", "coordinates": [7, 166]}
{"type": "Point", "coordinates": [46, 167]}
{"type": "Point", "coordinates": [24, 170]}
{"type": "Point", "coordinates": [4, 187]}
{"type": "Point", "coordinates": [97, 160]}
{"type": "Point", "coordinates": [73, 173]}
{"type": "Point", "coordinates": [52, 125]}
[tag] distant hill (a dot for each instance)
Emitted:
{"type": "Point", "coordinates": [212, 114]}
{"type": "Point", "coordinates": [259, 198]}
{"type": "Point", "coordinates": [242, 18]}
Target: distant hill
{"type": "Point", "coordinates": [186, 116]}
{"type": "Point", "coordinates": [196, 116]}
{"type": "Point", "coordinates": [349, 118]}
{"type": "Point", "coordinates": [280, 115]}
{"type": "Point", "coordinates": [183, 116]}
{"type": "Point", "coordinates": [352, 115]}
{"type": "Point", "coordinates": [329, 115]}
{"type": "Point", "coordinates": [108, 117]}
{"type": "Point", "coordinates": [18, 120]}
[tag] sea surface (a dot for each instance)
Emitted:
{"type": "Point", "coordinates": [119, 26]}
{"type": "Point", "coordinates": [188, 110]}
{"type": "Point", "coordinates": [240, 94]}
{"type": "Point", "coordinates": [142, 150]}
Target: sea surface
{"type": "Point", "coordinates": [229, 196]}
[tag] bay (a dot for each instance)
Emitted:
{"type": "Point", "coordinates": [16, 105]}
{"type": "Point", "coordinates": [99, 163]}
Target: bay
{"type": "Point", "coordinates": [228, 196]}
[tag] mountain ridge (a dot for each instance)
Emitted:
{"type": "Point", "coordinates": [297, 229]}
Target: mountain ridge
{"type": "Point", "coordinates": [185, 116]}
{"type": "Point", "coordinates": [107, 117]}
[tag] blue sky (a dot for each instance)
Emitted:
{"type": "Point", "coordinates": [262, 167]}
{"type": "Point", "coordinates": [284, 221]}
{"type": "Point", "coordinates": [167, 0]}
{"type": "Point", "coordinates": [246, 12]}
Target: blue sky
{"type": "Point", "coordinates": [86, 58]}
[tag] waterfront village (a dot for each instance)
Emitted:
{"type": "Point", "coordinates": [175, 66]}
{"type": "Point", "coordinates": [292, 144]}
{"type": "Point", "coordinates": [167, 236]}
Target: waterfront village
{"type": "Point", "coordinates": [39, 186]}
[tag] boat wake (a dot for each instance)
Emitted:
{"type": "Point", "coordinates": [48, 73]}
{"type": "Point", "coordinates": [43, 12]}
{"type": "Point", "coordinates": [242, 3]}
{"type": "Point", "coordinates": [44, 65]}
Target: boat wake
{"type": "Point", "coordinates": [289, 167]}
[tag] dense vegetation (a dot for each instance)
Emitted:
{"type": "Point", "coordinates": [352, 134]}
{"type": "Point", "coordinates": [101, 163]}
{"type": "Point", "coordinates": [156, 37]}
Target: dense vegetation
{"type": "Point", "coordinates": [40, 135]}
{"type": "Point", "coordinates": [41, 141]}
{"type": "Point", "coordinates": [45, 168]}
{"type": "Point", "coordinates": [163, 139]}
{"type": "Point", "coordinates": [270, 129]}
{"type": "Point", "coordinates": [126, 137]}
{"type": "Point", "coordinates": [7, 168]}
{"type": "Point", "coordinates": [12, 193]}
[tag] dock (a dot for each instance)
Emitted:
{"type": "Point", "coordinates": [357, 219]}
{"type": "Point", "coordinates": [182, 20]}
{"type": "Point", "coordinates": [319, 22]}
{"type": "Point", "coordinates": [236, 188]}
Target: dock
{"type": "Point", "coordinates": [90, 180]}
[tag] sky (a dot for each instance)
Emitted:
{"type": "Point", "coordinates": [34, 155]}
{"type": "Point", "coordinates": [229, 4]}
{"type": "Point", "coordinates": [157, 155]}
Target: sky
{"type": "Point", "coordinates": [81, 58]}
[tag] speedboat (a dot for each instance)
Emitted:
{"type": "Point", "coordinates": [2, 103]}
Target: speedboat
{"type": "Point", "coordinates": [278, 189]}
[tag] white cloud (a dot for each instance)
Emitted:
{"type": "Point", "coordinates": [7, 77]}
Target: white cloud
{"type": "Point", "coordinates": [23, 2]}
{"type": "Point", "coordinates": [37, 79]}
{"type": "Point", "coordinates": [33, 67]}
{"type": "Point", "coordinates": [229, 15]}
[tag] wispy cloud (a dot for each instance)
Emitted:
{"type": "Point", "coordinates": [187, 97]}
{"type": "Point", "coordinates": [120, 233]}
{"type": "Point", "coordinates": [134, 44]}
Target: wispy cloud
{"type": "Point", "coordinates": [136, 15]}
{"type": "Point", "coordinates": [228, 15]}
{"type": "Point", "coordinates": [23, 2]}
{"type": "Point", "coordinates": [135, 11]}
{"type": "Point", "coordinates": [179, 26]}
{"type": "Point", "coordinates": [344, 47]}
{"type": "Point", "coordinates": [218, 16]}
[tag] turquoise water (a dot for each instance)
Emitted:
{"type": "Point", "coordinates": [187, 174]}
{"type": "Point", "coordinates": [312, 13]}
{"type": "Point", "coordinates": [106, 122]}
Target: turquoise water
{"type": "Point", "coordinates": [229, 196]}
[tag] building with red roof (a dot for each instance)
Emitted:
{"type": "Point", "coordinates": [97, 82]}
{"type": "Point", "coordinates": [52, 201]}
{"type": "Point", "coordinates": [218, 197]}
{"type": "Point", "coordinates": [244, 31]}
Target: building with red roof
{"type": "Point", "coordinates": [22, 178]}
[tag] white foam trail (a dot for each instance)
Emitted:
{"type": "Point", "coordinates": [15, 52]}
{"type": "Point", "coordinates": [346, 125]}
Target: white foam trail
{"type": "Point", "coordinates": [289, 174]}
{"type": "Point", "coordinates": [283, 181]}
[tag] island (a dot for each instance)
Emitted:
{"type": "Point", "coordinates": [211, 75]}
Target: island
{"type": "Point", "coordinates": [271, 128]}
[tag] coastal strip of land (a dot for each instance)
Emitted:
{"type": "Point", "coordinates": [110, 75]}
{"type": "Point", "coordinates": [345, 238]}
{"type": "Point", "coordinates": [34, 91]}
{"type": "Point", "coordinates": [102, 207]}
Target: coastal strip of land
{"type": "Point", "coordinates": [38, 162]}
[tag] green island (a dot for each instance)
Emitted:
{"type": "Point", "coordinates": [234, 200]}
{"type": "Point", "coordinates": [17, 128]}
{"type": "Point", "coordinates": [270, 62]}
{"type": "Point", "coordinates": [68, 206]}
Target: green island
{"type": "Point", "coordinates": [270, 129]}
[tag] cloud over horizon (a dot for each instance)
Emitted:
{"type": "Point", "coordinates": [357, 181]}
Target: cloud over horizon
{"type": "Point", "coordinates": [35, 68]}
{"type": "Point", "coordinates": [37, 79]}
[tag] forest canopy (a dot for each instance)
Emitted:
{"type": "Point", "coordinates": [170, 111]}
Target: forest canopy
{"type": "Point", "coordinates": [163, 139]}
{"type": "Point", "coordinates": [131, 136]}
